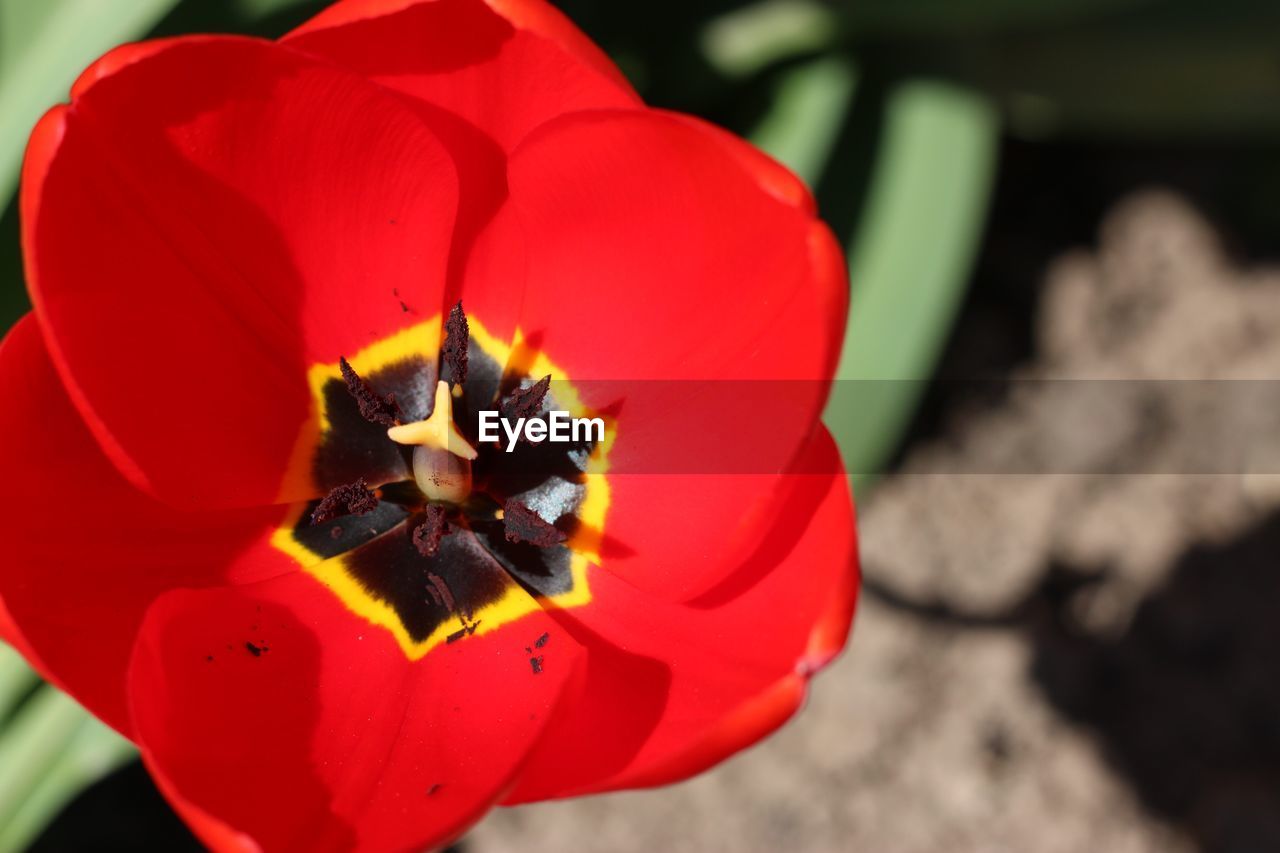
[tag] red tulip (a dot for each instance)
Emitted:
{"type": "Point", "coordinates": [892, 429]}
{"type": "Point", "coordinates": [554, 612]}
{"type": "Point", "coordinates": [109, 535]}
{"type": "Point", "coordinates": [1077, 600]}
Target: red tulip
{"type": "Point", "coordinates": [242, 256]}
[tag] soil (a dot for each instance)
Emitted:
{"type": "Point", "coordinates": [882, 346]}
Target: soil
{"type": "Point", "coordinates": [1066, 639]}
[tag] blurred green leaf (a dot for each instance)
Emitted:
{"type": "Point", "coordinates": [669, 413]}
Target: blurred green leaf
{"type": "Point", "coordinates": [91, 750]}
{"type": "Point", "coordinates": [910, 261]}
{"type": "Point", "coordinates": [50, 749]}
{"type": "Point", "coordinates": [808, 111]}
{"type": "Point", "coordinates": [16, 680]}
{"type": "Point", "coordinates": [745, 40]}
{"type": "Point", "coordinates": [35, 740]}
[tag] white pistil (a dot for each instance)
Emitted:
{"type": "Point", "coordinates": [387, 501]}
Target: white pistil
{"type": "Point", "coordinates": [437, 431]}
{"type": "Point", "coordinates": [441, 456]}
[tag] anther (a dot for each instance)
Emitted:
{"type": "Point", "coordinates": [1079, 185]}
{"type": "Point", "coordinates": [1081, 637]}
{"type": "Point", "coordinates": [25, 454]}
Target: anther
{"type": "Point", "coordinates": [522, 524]}
{"type": "Point", "coordinates": [454, 351]}
{"type": "Point", "coordinates": [427, 536]}
{"type": "Point", "coordinates": [526, 402]}
{"type": "Point", "coordinates": [373, 407]}
{"type": "Point", "coordinates": [352, 499]}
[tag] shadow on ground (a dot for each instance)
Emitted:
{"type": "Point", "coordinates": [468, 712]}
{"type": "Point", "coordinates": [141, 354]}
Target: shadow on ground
{"type": "Point", "coordinates": [1186, 703]}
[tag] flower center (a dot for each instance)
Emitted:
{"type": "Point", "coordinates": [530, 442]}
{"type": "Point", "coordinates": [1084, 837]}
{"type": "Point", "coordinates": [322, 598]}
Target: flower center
{"type": "Point", "coordinates": [425, 528]}
{"type": "Point", "coordinates": [441, 454]}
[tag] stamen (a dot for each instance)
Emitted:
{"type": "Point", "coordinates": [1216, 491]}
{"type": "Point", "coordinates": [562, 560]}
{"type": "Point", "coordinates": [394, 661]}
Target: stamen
{"type": "Point", "coordinates": [427, 536]}
{"type": "Point", "coordinates": [524, 525]}
{"type": "Point", "coordinates": [352, 499]}
{"type": "Point", "coordinates": [526, 402]}
{"type": "Point", "coordinates": [454, 352]}
{"type": "Point", "coordinates": [373, 408]}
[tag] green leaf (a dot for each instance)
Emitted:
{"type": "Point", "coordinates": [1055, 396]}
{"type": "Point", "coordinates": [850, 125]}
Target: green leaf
{"type": "Point", "coordinates": [808, 111]}
{"type": "Point", "coordinates": [910, 261]}
{"type": "Point", "coordinates": [745, 40]}
{"type": "Point", "coordinates": [90, 751]}
{"type": "Point", "coordinates": [35, 740]}
{"type": "Point", "coordinates": [50, 749]}
{"type": "Point", "coordinates": [16, 680]}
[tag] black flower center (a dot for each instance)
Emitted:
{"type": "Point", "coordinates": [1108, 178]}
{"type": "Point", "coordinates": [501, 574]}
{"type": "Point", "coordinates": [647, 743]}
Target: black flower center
{"type": "Point", "coordinates": [438, 557]}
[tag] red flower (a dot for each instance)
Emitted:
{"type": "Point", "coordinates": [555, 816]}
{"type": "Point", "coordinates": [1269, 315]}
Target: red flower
{"type": "Point", "coordinates": [319, 639]}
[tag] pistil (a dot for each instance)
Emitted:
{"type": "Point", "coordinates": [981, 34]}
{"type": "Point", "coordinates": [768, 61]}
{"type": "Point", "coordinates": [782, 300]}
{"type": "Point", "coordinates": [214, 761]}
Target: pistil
{"type": "Point", "coordinates": [441, 456]}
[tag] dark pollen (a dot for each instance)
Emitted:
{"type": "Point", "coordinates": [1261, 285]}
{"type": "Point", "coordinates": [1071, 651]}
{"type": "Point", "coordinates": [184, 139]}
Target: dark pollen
{"type": "Point", "coordinates": [467, 629]}
{"type": "Point", "coordinates": [542, 641]}
{"type": "Point", "coordinates": [454, 352]}
{"type": "Point", "coordinates": [373, 407]}
{"type": "Point", "coordinates": [440, 593]}
{"type": "Point", "coordinates": [351, 499]}
{"type": "Point", "coordinates": [524, 525]}
{"type": "Point", "coordinates": [256, 651]}
{"type": "Point", "coordinates": [526, 402]}
{"type": "Point", "coordinates": [536, 664]}
{"type": "Point", "coordinates": [427, 536]}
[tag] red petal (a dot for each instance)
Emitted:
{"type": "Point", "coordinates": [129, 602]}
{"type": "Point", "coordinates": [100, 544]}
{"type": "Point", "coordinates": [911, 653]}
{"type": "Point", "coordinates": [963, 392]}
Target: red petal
{"type": "Point", "coordinates": [661, 250]}
{"type": "Point", "coordinates": [87, 553]}
{"type": "Point", "coordinates": [702, 680]}
{"type": "Point", "coordinates": [504, 67]}
{"type": "Point", "coordinates": [773, 177]}
{"type": "Point", "coordinates": [329, 738]}
{"type": "Point", "coordinates": [217, 835]}
{"type": "Point", "coordinates": [649, 225]}
{"type": "Point", "coordinates": [482, 75]}
{"type": "Point", "coordinates": [204, 223]}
